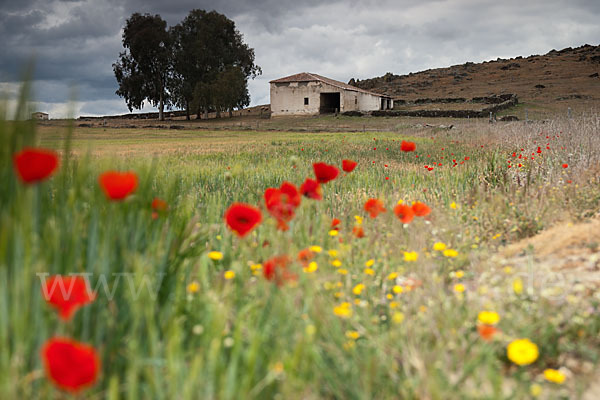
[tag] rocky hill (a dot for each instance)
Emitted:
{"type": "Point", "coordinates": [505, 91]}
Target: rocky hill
{"type": "Point", "coordinates": [551, 82]}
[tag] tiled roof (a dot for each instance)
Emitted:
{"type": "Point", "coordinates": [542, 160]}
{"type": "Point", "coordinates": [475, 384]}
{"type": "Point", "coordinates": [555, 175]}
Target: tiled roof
{"type": "Point", "coordinates": [308, 77]}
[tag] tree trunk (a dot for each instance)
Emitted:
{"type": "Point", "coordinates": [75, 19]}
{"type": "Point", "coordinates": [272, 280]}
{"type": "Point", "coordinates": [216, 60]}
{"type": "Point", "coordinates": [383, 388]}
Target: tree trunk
{"type": "Point", "coordinates": [198, 112]}
{"type": "Point", "coordinates": [230, 112]}
{"type": "Point", "coordinates": [206, 113]}
{"type": "Point", "coordinates": [218, 112]}
{"type": "Point", "coordinates": [161, 106]}
{"type": "Point", "coordinates": [187, 110]}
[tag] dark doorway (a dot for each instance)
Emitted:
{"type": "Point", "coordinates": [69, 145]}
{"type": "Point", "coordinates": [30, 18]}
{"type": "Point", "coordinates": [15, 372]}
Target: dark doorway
{"type": "Point", "coordinates": [382, 104]}
{"type": "Point", "coordinates": [330, 103]}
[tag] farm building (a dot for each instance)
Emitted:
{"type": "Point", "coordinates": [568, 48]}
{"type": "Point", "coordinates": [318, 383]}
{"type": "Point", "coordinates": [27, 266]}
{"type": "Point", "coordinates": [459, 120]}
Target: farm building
{"type": "Point", "coordinates": [309, 94]}
{"type": "Point", "coordinates": [39, 116]}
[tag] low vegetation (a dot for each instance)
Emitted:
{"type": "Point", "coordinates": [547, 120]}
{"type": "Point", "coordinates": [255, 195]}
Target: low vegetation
{"type": "Point", "coordinates": [364, 306]}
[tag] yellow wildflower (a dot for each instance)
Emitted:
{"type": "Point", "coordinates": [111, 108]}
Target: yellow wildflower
{"type": "Point", "coordinates": [488, 317]}
{"type": "Point", "coordinates": [397, 289]}
{"type": "Point", "coordinates": [358, 219]}
{"type": "Point", "coordinates": [316, 249]}
{"type": "Point", "coordinates": [193, 287]}
{"type": "Point", "coordinates": [450, 253]}
{"type": "Point", "coordinates": [400, 201]}
{"type": "Point", "coordinates": [459, 274]}
{"type": "Point", "coordinates": [369, 263]}
{"type": "Point", "coordinates": [517, 286]}
{"type": "Point", "coordinates": [554, 375]}
{"type": "Point", "coordinates": [256, 267]}
{"type": "Point", "coordinates": [439, 246]}
{"type": "Point", "coordinates": [369, 271]}
{"type": "Point", "coordinates": [352, 335]}
{"type": "Point", "coordinates": [398, 317]}
{"type": "Point", "coordinates": [332, 253]}
{"type": "Point", "coordinates": [229, 274]}
{"type": "Point", "coordinates": [333, 232]}
{"type": "Point", "coordinates": [394, 304]}
{"type": "Point", "coordinates": [358, 289]}
{"type": "Point", "coordinates": [411, 256]}
{"type": "Point", "coordinates": [342, 271]}
{"type": "Point", "coordinates": [344, 310]}
{"type": "Point", "coordinates": [392, 276]}
{"type": "Point", "coordinates": [522, 351]}
{"type": "Point", "coordinates": [312, 267]}
{"type": "Point", "coordinates": [535, 390]}
{"type": "Point", "coordinates": [215, 255]}
{"type": "Point", "coordinates": [459, 288]}
{"type": "Point", "coordinates": [453, 205]}
{"type": "Point", "coordinates": [336, 263]}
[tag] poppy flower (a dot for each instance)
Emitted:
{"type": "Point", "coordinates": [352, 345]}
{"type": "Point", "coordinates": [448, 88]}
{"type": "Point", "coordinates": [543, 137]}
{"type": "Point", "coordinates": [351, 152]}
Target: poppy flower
{"type": "Point", "coordinates": [358, 232]}
{"type": "Point", "coordinates": [118, 185]}
{"type": "Point", "coordinates": [421, 209]}
{"type": "Point", "coordinates": [408, 146]}
{"type": "Point", "coordinates": [565, 165]}
{"type": "Point", "coordinates": [374, 207]}
{"type": "Point", "coordinates": [334, 224]}
{"type": "Point", "coordinates": [67, 294]}
{"type": "Point", "coordinates": [35, 164]}
{"type": "Point", "coordinates": [159, 204]}
{"type": "Point", "coordinates": [70, 365]}
{"type": "Point", "coordinates": [242, 218]}
{"type": "Point", "coordinates": [404, 213]}
{"type": "Point", "coordinates": [325, 172]}
{"type": "Point", "coordinates": [275, 270]}
{"type": "Point", "coordinates": [311, 189]}
{"type": "Point", "coordinates": [304, 256]}
{"type": "Point", "coordinates": [486, 332]}
{"type": "Point", "coordinates": [348, 165]}
{"type": "Point", "coordinates": [282, 202]}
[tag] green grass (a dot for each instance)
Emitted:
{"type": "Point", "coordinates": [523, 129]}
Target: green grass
{"type": "Point", "coordinates": [248, 338]}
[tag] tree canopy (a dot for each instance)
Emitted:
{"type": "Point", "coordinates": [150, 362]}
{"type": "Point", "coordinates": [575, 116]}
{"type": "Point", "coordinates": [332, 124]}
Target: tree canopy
{"type": "Point", "coordinates": [200, 64]}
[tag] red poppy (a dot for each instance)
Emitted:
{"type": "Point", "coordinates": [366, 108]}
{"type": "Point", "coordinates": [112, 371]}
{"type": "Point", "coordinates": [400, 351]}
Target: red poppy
{"type": "Point", "coordinates": [242, 218]}
{"type": "Point", "coordinates": [358, 232]}
{"type": "Point", "coordinates": [34, 164]}
{"type": "Point", "coordinates": [70, 365]}
{"type": "Point", "coordinates": [311, 189]}
{"type": "Point", "coordinates": [275, 269]}
{"type": "Point", "coordinates": [118, 185]}
{"type": "Point", "coordinates": [334, 224]}
{"type": "Point", "coordinates": [159, 204]}
{"type": "Point", "coordinates": [325, 172]}
{"type": "Point", "coordinates": [404, 213]}
{"type": "Point", "coordinates": [487, 332]}
{"type": "Point", "coordinates": [282, 202]}
{"type": "Point", "coordinates": [421, 209]}
{"type": "Point", "coordinates": [565, 165]}
{"type": "Point", "coordinates": [408, 146]}
{"type": "Point", "coordinates": [348, 165]}
{"type": "Point", "coordinates": [67, 294]}
{"type": "Point", "coordinates": [374, 207]}
{"type": "Point", "coordinates": [304, 256]}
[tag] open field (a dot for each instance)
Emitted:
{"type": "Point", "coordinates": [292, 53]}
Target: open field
{"type": "Point", "coordinates": [379, 317]}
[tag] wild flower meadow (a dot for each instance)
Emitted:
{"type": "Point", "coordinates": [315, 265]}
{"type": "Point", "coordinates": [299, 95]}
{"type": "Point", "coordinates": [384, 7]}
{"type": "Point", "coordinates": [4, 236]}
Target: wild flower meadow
{"type": "Point", "coordinates": [296, 266]}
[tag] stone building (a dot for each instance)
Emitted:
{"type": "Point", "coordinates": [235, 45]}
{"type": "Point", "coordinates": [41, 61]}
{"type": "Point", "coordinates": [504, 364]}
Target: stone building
{"type": "Point", "coordinates": [41, 116]}
{"type": "Point", "coordinates": [310, 94]}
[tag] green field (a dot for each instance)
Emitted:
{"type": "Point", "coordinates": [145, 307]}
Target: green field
{"type": "Point", "coordinates": [172, 324]}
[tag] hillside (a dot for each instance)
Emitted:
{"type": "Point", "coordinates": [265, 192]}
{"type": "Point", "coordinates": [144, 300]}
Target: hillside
{"type": "Point", "coordinates": [544, 83]}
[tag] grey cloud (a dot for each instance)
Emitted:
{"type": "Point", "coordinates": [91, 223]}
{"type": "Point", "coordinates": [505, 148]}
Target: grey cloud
{"type": "Point", "coordinates": [76, 42]}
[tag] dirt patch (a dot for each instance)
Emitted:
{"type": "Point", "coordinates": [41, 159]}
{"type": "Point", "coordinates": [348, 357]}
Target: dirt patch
{"type": "Point", "coordinates": [573, 250]}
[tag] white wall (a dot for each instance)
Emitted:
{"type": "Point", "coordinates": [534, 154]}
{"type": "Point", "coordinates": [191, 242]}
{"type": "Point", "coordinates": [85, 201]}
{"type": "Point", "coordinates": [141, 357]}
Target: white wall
{"type": "Point", "coordinates": [288, 98]}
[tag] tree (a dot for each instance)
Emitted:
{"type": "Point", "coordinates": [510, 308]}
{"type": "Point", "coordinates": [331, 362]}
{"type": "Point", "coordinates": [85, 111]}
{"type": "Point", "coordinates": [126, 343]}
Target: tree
{"type": "Point", "coordinates": [207, 48]}
{"type": "Point", "coordinates": [142, 70]}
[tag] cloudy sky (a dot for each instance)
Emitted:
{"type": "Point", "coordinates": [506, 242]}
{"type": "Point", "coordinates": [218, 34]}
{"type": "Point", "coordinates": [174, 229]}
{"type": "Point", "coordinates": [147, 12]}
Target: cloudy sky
{"type": "Point", "coordinates": [74, 43]}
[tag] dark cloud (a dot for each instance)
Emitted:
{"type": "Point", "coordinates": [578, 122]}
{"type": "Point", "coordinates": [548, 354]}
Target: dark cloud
{"type": "Point", "coordinates": [75, 42]}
